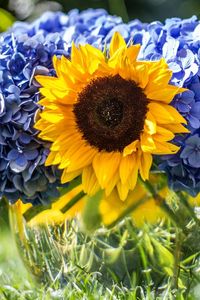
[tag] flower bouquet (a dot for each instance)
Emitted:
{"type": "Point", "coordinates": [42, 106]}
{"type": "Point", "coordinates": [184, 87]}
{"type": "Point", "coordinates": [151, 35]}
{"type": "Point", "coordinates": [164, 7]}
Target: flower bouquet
{"type": "Point", "coordinates": [100, 147]}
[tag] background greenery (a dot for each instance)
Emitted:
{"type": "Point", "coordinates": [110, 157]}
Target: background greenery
{"type": "Point", "coordinates": [146, 10]}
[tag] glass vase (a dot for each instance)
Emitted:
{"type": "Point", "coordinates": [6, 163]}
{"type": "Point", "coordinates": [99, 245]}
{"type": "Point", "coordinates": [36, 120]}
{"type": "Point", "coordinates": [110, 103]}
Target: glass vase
{"type": "Point", "coordinates": [145, 248]}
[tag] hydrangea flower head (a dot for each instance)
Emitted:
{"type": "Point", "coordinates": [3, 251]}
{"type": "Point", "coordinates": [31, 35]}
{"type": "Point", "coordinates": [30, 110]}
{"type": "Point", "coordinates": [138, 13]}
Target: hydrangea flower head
{"type": "Point", "coordinates": [177, 41]}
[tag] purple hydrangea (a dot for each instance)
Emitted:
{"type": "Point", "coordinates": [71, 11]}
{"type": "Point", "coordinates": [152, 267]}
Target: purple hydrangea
{"type": "Point", "coordinates": [27, 49]}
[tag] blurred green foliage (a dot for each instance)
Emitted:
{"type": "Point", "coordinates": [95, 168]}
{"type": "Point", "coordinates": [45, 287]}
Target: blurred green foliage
{"type": "Point", "coordinates": [146, 10]}
{"type": "Point", "coordinates": [3, 215]}
{"type": "Point", "coordinates": [6, 19]}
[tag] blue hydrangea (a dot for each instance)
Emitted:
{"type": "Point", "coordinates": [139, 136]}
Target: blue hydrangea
{"type": "Point", "coordinates": [178, 41]}
{"type": "Point", "coordinates": [191, 151]}
{"type": "Point", "coordinates": [22, 173]}
{"type": "Point", "coordinates": [183, 168]}
{"type": "Point", "coordinates": [27, 49]}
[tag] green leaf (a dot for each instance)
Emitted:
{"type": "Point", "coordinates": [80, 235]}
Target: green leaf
{"type": "Point", "coordinates": [34, 211]}
{"type": "Point", "coordinates": [112, 255]}
{"type": "Point", "coordinates": [72, 202]}
{"type": "Point", "coordinates": [148, 244]}
{"type": "Point", "coordinates": [118, 7]}
{"type": "Point", "coordinates": [165, 257]}
{"type": "Point", "coordinates": [6, 20]}
{"type": "Point", "coordinates": [91, 217]}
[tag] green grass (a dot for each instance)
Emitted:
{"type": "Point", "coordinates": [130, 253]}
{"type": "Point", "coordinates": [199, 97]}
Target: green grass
{"type": "Point", "coordinates": [17, 284]}
{"type": "Point", "coordinates": [153, 263]}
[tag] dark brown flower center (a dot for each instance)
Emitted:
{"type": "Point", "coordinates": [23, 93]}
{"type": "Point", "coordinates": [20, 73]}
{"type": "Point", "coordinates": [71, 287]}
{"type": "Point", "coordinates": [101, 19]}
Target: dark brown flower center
{"type": "Point", "coordinates": [110, 112]}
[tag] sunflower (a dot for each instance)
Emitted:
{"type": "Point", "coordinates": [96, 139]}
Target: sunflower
{"type": "Point", "coordinates": [106, 114]}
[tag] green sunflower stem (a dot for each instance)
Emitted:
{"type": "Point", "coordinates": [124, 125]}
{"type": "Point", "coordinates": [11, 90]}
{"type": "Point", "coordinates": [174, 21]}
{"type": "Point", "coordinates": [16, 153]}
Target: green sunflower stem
{"type": "Point", "coordinates": [144, 260]}
{"type": "Point", "coordinates": [118, 7]}
{"type": "Point", "coordinates": [34, 211]}
{"type": "Point", "coordinates": [72, 202]}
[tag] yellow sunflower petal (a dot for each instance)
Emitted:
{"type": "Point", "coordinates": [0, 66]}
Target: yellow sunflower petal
{"type": "Point", "coordinates": [94, 57]}
{"type": "Point", "coordinates": [51, 82]}
{"type": "Point", "coordinates": [126, 167]}
{"type": "Point", "coordinates": [105, 166]}
{"type": "Point", "coordinates": [117, 42]}
{"type": "Point", "coordinates": [76, 74]}
{"type": "Point", "coordinates": [163, 134]}
{"type": "Point", "coordinates": [65, 162]}
{"type": "Point", "coordinates": [159, 73]}
{"type": "Point", "coordinates": [116, 61]}
{"type": "Point", "coordinates": [178, 118]}
{"type": "Point", "coordinates": [165, 148]}
{"type": "Point", "coordinates": [69, 176]}
{"type": "Point", "coordinates": [147, 143]}
{"type": "Point", "coordinates": [150, 126]}
{"type": "Point", "coordinates": [57, 65]}
{"type": "Point", "coordinates": [89, 181]}
{"type": "Point", "coordinates": [130, 148]}
{"type": "Point", "coordinates": [132, 179]}
{"type": "Point", "coordinates": [165, 94]}
{"type": "Point", "coordinates": [123, 190]}
{"type": "Point", "coordinates": [176, 128]}
{"type": "Point", "coordinates": [81, 158]}
{"type": "Point", "coordinates": [65, 140]}
{"type": "Point", "coordinates": [142, 77]}
{"type": "Point", "coordinates": [78, 157]}
{"type": "Point", "coordinates": [145, 165]}
{"type": "Point", "coordinates": [52, 116]}
{"type": "Point", "coordinates": [48, 94]}
{"type": "Point", "coordinates": [48, 132]}
{"type": "Point", "coordinates": [165, 114]}
{"type": "Point", "coordinates": [132, 52]}
{"type": "Point", "coordinates": [53, 158]}
{"type": "Point", "coordinates": [111, 184]}
{"type": "Point", "coordinates": [76, 56]}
